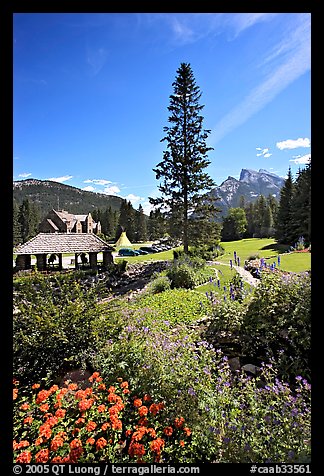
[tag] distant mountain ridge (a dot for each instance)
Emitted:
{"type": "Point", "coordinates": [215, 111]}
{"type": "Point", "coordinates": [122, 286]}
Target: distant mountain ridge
{"type": "Point", "coordinates": [251, 185]}
{"type": "Point", "coordinates": [48, 194]}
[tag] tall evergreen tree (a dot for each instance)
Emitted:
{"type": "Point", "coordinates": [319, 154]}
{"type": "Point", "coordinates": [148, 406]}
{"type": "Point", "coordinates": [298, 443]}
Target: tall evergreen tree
{"type": "Point", "coordinates": [301, 206]}
{"type": "Point", "coordinates": [234, 224]}
{"type": "Point", "coordinates": [29, 218]}
{"type": "Point", "coordinates": [16, 225]}
{"type": "Point", "coordinates": [182, 170]}
{"type": "Point", "coordinates": [140, 225]}
{"type": "Point", "coordinates": [284, 216]}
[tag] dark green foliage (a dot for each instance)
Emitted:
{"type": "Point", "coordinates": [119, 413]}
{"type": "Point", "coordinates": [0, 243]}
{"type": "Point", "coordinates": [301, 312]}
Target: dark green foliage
{"type": "Point", "coordinates": [284, 217]}
{"type": "Point", "coordinates": [188, 272]}
{"type": "Point", "coordinates": [184, 181]}
{"type": "Point", "coordinates": [277, 323]}
{"type": "Point", "coordinates": [52, 325]}
{"type": "Point", "coordinates": [234, 224]}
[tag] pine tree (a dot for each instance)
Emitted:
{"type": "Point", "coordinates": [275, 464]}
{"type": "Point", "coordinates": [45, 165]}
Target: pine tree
{"type": "Point", "coordinates": [16, 226]}
{"type": "Point", "coordinates": [182, 170]}
{"type": "Point", "coordinates": [284, 216]}
{"type": "Point", "coordinates": [301, 206]}
{"type": "Point", "coordinates": [29, 218]}
{"type": "Point", "coordinates": [140, 225]}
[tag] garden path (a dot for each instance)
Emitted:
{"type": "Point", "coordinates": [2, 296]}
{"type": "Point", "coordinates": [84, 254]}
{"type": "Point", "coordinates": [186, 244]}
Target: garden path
{"type": "Point", "coordinates": [246, 275]}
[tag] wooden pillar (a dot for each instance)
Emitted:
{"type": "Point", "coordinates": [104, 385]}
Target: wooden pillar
{"type": "Point", "coordinates": [60, 261]}
{"type": "Point", "coordinates": [93, 260]}
{"type": "Point", "coordinates": [41, 262]}
{"type": "Point", "coordinates": [107, 258]}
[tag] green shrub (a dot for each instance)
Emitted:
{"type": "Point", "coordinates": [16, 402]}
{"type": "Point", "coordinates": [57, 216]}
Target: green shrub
{"type": "Point", "coordinates": [277, 323]}
{"type": "Point", "coordinates": [52, 325]}
{"type": "Point", "coordinates": [159, 284]}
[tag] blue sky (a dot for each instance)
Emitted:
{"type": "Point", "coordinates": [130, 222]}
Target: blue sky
{"type": "Point", "coordinates": [91, 92]}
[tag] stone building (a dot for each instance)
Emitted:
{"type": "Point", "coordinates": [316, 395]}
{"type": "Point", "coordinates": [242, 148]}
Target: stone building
{"type": "Point", "coordinates": [65, 222]}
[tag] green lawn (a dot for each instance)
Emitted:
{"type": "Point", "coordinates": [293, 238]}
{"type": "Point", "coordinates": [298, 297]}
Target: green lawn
{"type": "Point", "coordinates": [264, 247]}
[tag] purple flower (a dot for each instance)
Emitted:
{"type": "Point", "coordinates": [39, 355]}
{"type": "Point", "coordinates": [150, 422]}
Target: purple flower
{"type": "Point", "coordinates": [191, 392]}
{"type": "Point", "coordinates": [231, 263]}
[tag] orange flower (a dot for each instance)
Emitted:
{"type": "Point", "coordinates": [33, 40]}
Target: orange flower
{"type": "Point", "coordinates": [116, 424]}
{"type": "Point", "coordinates": [42, 456]}
{"type": "Point", "coordinates": [91, 426]}
{"type": "Point", "coordinates": [136, 449]}
{"type": "Point", "coordinates": [24, 457]}
{"type": "Point", "coordinates": [90, 441]}
{"type": "Point", "coordinates": [151, 432]}
{"type": "Point", "coordinates": [53, 389]}
{"type": "Point", "coordinates": [24, 406]}
{"type": "Point", "coordinates": [41, 396]}
{"type": "Point", "coordinates": [143, 411]}
{"type": "Point", "coordinates": [44, 407]}
{"type": "Point", "coordinates": [36, 385]}
{"type": "Point", "coordinates": [56, 443]}
{"type": "Point", "coordinates": [85, 404]}
{"type": "Point", "coordinates": [105, 426]}
{"type": "Point", "coordinates": [39, 441]}
{"type": "Point", "coordinates": [94, 376]}
{"type": "Point", "coordinates": [143, 421]}
{"type": "Point", "coordinates": [57, 459]}
{"type": "Point", "coordinates": [178, 422]}
{"type": "Point", "coordinates": [128, 432]}
{"type": "Point", "coordinates": [187, 431]}
{"type": "Point", "coordinates": [21, 444]}
{"type": "Point", "coordinates": [79, 421]}
{"type": "Point", "coordinates": [75, 444]}
{"type": "Point", "coordinates": [124, 385]}
{"type": "Point", "coordinates": [60, 413]}
{"type": "Point", "coordinates": [138, 434]}
{"type": "Point", "coordinates": [102, 386]}
{"type": "Point", "coordinates": [181, 443]}
{"type": "Point", "coordinates": [147, 398]}
{"type": "Point", "coordinates": [137, 402]}
{"type": "Point", "coordinates": [157, 444]}
{"type": "Point", "coordinates": [101, 443]}
{"type": "Point", "coordinates": [45, 430]}
{"type": "Point", "coordinates": [51, 420]}
{"type": "Point", "coordinates": [15, 393]}
{"type": "Point", "coordinates": [72, 386]}
{"type": "Point", "coordinates": [126, 391]}
{"type": "Point", "coordinates": [168, 430]}
{"type": "Point", "coordinates": [28, 420]}
{"type": "Point", "coordinates": [154, 408]}
{"type": "Point", "coordinates": [101, 408]}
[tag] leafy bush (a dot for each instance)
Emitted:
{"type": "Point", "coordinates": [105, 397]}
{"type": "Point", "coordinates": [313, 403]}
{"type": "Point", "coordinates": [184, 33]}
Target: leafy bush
{"type": "Point", "coordinates": [159, 284]}
{"type": "Point", "coordinates": [189, 272]}
{"type": "Point", "coordinates": [226, 316]}
{"type": "Point", "coordinates": [52, 325]}
{"type": "Point", "coordinates": [277, 323]}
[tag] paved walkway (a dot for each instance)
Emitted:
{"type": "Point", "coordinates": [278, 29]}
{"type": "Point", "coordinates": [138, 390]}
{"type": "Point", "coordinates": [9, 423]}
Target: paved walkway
{"type": "Point", "coordinates": [246, 275]}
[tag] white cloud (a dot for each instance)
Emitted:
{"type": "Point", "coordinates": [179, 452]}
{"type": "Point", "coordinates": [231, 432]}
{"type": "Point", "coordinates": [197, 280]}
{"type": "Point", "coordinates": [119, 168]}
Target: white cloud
{"type": "Point", "coordinates": [98, 181]}
{"type": "Point", "coordinates": [264, 152]}
{"type": "Point", "coordinates": [24, 175]}
{"type": "Point", "coordinates": [134, 199]}
{"type": "Point", "coordinates": [89, 188]}
{"type": "Point", "coordinates": [293, 143]}
{"type": "Point", "coordinates": [62, 179]}
{"type": "Point", "coordinates": [113, 190]}
{"type": "Point", "coordinates": [298, 159]}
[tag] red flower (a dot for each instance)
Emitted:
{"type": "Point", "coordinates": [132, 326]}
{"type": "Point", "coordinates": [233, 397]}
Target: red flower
{"type": "Point", "coordinates": [60, 413]}
{"type": "Point", "coordinates": [56, 443]}
{"type": "Point", "coordinates": [105, 426]}
{"type": "Point", "coordinates": [90, 441]}
{"type": "Point", "coordinates": [94, 376]}
{"type": "Point", "coordinates": [101, 443]}
{"type": "Point", "coordinates": [101, 408]}
{"type": "Point", "coordinates": [187, 431]}
{"type": "Point", "coordinates": [75, 444]}
{"type": "Point", "coordinates": [137, 402]}
{"type": "Point", "coordinates": [136, 449]}
{"type": "Point", "coordinates": [45, 431]}
{"type": "Point", "coordinates": [36, 385]}
{"type": "Point", "coordinates": [143, 411]}
{"type": "Point", "coordinates": [157, 444]}
{"type": "Point", "coordinates": [178, 422]}
{"type": "Point", "coordinates": [25, 406]}
{"type": "Point", "coordinates": [91, 426]}
{"type": "Point", "coordinates": [24, 457]}
{"type": "Point", "coordinates": [28, 420]}
{"type": "Point", "coordinates": [41, 396]}
{"type": "Point", "coordinates": [42, 456]}
{"type": "Point", "coordinates": [124, 385]}
{"type": "Point", "coordinates": [181, 443]}
{"type": "Point", "coordinates": [44, 407]}
{"type": "Point", "coordinates": [168, 431]}
{"type": "Point", "coordinates": [147, 398]}
{"type": "Point", "coordinates": [111, 389]}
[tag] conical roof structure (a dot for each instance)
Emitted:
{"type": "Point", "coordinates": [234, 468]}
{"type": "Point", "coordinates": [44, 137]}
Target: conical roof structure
{"type": "Point", "coordinates": [123, 240]}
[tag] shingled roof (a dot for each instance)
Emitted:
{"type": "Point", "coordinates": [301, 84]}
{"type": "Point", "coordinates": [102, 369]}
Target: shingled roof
{"type": "Point", "coordinates": [63, 243]}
